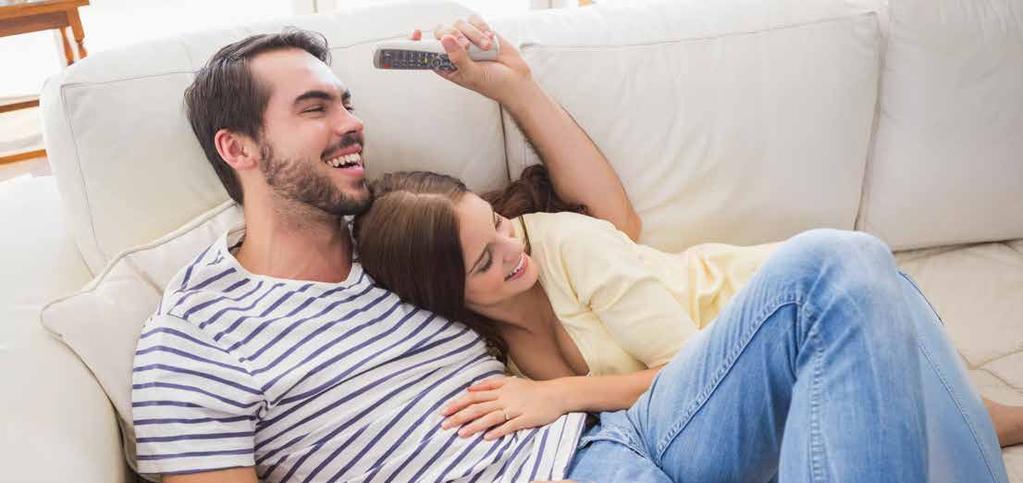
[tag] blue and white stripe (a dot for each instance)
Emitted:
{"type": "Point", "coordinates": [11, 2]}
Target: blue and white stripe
{"type": "Point", "coordinates": [312, 381]}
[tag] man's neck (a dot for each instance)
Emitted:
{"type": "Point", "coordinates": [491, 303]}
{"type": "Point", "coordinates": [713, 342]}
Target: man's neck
{"type": "Point", "coordinates": [295, 243]}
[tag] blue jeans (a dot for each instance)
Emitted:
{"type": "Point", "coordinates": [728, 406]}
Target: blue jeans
{"type": "Point", "coordinates": [830, 365]}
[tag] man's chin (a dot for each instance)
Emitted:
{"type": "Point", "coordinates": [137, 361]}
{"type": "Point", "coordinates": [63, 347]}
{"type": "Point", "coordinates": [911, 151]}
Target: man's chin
{"type": "Point", "coordinates": [355, 202]}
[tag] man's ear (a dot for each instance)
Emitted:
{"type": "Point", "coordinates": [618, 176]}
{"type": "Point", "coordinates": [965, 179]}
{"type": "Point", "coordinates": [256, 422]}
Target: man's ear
{"type": "Point", "coordinates": [240, 151]}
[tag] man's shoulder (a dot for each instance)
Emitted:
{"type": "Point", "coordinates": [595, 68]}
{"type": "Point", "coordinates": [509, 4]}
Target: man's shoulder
{"type": "Point", "coordinates": [207, 271]}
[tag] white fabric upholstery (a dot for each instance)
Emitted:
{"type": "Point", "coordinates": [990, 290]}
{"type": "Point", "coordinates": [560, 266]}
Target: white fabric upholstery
{"type": "Point", "coordinates": [724, 130]}
{"type": "Point", "coordinates": [57, 425]}
{"type": "Point", "coordinates": [130, 168]}
{"type": "Point", "coordinates": [101, 323]}
{"type": "Point", "coordinates": [948, 146]}
{"type": "Point", "coordinates": [739, 121]}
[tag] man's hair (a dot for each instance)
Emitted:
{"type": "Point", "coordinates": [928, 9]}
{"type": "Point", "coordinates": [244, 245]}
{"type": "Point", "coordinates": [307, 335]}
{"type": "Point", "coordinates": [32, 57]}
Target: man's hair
{"type": "Point", "coordinates": [226, 95]}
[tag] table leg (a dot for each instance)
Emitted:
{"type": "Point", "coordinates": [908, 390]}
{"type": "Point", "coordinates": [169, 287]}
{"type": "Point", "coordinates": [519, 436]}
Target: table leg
{"type": "Point", "coordinates": [76, 28]}
{"type": "Point", "coordinates": [69, 56]}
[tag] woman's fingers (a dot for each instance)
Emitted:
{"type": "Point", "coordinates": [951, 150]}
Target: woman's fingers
{"type": "Point", "coordinates": [481, 25]}
{"type": "Point", "coordinates": [510, 426]}
{"type": "Point", "coordinates": [474, 34]}
{"type": "Point", "coordinates": [487, 385]}
{"type": "Point", "coordinates": [470, 413]}
{"type": "Point", "coordinates": [416, 35]}
{"type": "Point", "coordinates": [462, 40]}
{"type": "Point", "coordinates": [488, 420]}
{"type": "Point", "coordinates": [466, 400]}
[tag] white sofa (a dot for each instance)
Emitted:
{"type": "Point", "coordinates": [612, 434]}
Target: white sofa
{"type": "Point", "coordinates": [737, 121]}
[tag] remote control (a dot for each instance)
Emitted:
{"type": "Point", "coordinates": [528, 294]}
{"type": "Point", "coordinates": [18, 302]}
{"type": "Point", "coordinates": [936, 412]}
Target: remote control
{"type": "Point", "coordinates": [422, 54]}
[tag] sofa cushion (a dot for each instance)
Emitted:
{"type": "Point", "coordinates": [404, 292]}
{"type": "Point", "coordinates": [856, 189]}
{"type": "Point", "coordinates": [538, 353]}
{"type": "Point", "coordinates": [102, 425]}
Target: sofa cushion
{"type": "Point", "coordinates": [736, 121]}
{"type": "Point", "coordinates": [947, 149]}
{"type": "Point", "coordinates": [130, 169]}
{"type": "Point", "coordinates": [101, 323]}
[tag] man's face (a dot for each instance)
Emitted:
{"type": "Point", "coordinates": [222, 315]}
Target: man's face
{"type": "Point", "coordinates": [311, 147]}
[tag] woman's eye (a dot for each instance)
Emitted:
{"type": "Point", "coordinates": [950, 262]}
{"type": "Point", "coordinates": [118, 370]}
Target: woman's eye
{"type": "Point", "coordinates": [486, 266]}
{"type": "Point", "coordinates": [350, 108]}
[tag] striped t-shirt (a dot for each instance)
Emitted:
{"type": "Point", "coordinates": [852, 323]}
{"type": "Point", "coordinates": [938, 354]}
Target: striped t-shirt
{"type": "Point", "coordinates": [311, 381]}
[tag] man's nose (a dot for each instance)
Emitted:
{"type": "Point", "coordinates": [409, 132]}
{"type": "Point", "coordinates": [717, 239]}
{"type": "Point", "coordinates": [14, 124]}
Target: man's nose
{"type": "Point", "coordinates": [347, 122]}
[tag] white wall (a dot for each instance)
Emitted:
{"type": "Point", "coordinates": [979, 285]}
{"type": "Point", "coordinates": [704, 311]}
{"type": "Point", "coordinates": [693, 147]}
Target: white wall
{"type": "Point", "coordinates": [112, 23]}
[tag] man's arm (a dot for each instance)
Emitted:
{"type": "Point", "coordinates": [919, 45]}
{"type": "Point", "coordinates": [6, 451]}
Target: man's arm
{"type": "Point", "coordinates": [580, 172]}
{"type": "Point", "coordinates": [233, 475]}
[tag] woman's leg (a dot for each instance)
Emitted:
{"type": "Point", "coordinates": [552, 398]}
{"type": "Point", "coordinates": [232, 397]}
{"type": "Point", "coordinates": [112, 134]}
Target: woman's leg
{"type": "Point", "coordinates": [815, 372]}
{"type": "Point", "coordinates": [958, 424]}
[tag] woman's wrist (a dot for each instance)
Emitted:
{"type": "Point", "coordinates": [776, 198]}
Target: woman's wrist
{"type": "Point", "coordinates": [560, 394]}
{"type": "Point", "coordinates": [524, 96]}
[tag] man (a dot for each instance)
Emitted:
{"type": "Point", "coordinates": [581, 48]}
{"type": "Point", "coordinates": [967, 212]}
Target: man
{"type": "Point", "coordinates": [289, 359]}
{"type": "Point", "coordinates": [274, 357]}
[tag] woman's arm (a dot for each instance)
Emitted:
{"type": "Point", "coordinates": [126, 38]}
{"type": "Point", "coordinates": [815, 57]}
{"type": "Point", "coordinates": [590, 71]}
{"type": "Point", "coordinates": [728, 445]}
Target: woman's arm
{"type": "Point", "coordinates": [602, 393]}
{"type": "Point", "coordinates": [509, 404]}
{"type": "Point", "coordinates": [579, 171]}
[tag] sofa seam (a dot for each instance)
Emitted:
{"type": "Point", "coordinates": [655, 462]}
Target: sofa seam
{"type": "Point", "coordinates": [737, 33]}
{"type": "Point", "coordinates": [983, 367]}
{"type": "Point", "coordinates": [188, 55]}
{"type": "Point", "coordinates": [866, 191]}
{"type": "Point", "coordinates": [81, 178]}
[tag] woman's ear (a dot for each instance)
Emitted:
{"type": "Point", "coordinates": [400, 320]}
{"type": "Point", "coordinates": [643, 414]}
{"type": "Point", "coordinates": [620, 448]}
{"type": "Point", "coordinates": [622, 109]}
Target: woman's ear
{"type": "Point", "coordinates": [240, 152]}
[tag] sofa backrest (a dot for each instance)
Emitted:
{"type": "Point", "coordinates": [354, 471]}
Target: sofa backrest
{"type": "Point", "coordinates": [947, 164]}
{"type": "Point", "coordinates": [734, 121]}
{"type": "Point", "coordinates": [738, 121]}
{"type": "Point", "coordinates": [130, 170]}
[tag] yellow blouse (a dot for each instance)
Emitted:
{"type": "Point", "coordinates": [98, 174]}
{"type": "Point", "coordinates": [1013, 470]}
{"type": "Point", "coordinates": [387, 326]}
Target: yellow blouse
{"type": "Point", "coordinates": [626, 306]}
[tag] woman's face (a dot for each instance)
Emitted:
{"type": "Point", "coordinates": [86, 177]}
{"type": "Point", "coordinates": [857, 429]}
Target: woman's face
{"type": "Point", "coordinates": [497, 267]}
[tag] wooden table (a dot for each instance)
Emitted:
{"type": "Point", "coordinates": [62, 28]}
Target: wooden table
{"type": "Point", "coordinates": [24, 16]}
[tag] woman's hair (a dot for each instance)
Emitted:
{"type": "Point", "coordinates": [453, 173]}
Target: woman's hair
{"type": "Point", "coordinates": [408, 239]}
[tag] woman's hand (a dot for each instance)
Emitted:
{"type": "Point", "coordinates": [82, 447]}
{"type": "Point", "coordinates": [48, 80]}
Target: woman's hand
{"type": "Point", "coordinates": [497, 79]}
{"type": "Point", "coordinates": [503, 405]}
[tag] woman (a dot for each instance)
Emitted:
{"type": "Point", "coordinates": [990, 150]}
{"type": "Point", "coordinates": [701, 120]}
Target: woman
{"type": "Point", "coordinates": [567, 300]}
{"type": "Point", "coordinates": [837, 369]}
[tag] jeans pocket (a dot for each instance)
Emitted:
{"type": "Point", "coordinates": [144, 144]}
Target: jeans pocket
{"type": "Point", "coordinates": [603, 431]}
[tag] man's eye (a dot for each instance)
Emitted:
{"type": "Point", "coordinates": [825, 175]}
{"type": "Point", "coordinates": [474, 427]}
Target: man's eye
{"type": "Point", "coordinates": [350, 108]}
{"type": "Point", "coordinates": [314, 109]}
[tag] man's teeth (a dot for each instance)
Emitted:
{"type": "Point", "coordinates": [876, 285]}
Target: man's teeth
{"type": "Point", "coordinates": [346, 160]}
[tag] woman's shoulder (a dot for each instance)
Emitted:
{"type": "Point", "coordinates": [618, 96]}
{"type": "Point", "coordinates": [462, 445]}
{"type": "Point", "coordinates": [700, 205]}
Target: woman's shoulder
{"type": "Point", "coordinates": [565, 223]}
{"type": "Point", "coordinates": [574, 234]}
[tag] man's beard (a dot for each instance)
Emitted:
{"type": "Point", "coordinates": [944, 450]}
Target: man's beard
{"type": "Point", "coordinates": [299, 181]}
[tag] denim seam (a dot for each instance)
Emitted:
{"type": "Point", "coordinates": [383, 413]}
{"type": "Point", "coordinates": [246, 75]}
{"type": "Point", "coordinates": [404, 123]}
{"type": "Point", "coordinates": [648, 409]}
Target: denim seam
{"type": "Point", "coordinates": [921, 292]}
{"type": "Point", "coordinates": [817, 454]}
{"type": "Point", "coordinates": [944, 380]}
{"type": "Point", "coordinates": [959, 407]}
{"type": "Point", "coordinates": [726, 367]}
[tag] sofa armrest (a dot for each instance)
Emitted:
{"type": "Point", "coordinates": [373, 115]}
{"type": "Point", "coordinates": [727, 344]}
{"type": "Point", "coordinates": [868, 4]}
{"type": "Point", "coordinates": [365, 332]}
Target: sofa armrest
{"type": "Point", "coordinates": [57, 424]}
